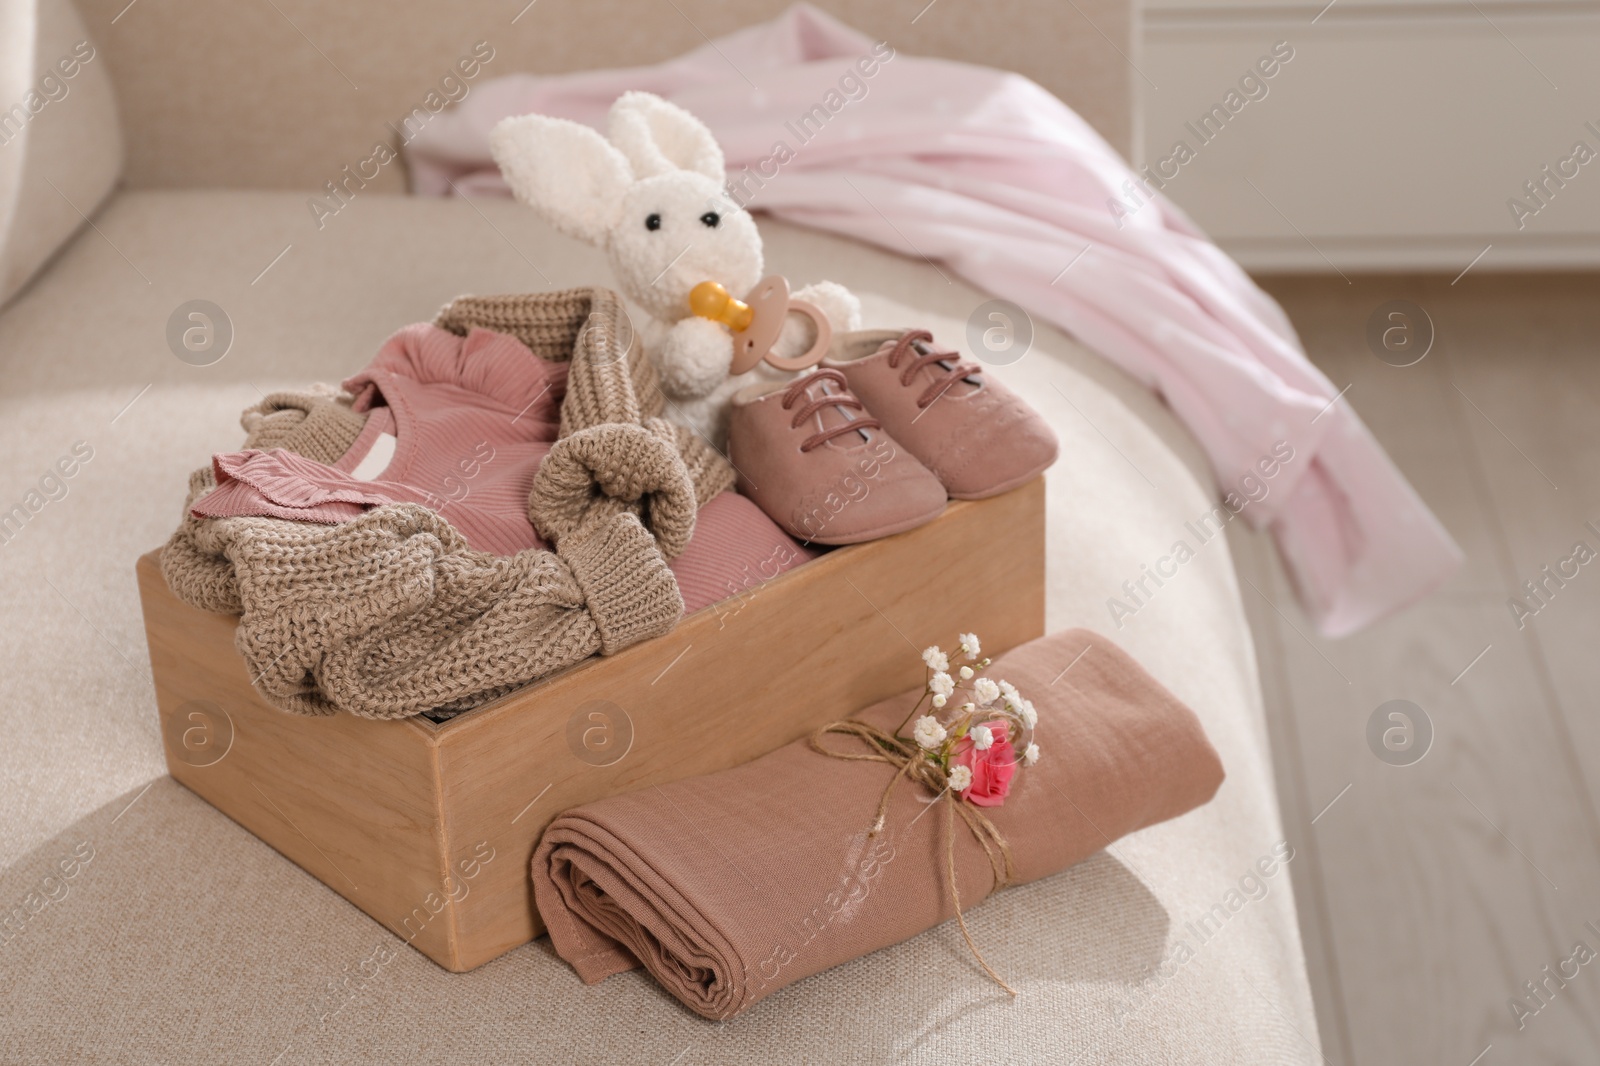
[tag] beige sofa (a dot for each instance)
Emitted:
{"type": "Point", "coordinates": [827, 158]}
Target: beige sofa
{"type": "Point", "coordinates": [147, 928]}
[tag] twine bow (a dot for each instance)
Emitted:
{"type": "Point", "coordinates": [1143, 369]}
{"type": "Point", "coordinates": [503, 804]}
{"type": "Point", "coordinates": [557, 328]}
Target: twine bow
{"type": "Point", "coordinates": [910, 763]}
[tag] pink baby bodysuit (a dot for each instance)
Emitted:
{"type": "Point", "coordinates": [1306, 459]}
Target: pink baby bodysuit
{"type": "Point", "coordinates": [460, 425]}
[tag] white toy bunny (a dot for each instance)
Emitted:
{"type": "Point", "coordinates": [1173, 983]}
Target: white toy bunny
{"type": "Point", "coordinates": [652, 197]}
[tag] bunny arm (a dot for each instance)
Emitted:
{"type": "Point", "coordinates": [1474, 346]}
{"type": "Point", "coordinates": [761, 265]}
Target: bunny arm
{"type": "Point", "coordinates": [694, 358]}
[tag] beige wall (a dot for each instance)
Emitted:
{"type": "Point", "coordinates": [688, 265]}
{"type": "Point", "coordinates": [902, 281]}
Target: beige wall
{"type": "Point", "coordinates": [232, 94]}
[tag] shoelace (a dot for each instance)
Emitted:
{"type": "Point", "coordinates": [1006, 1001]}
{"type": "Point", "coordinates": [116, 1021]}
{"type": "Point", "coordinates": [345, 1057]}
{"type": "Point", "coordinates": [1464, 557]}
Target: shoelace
{"type": "Point", "coordinates": [926, 356]}
{"type": "Point", "coordinates": [843, 398]}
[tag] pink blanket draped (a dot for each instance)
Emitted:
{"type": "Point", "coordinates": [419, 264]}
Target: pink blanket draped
{"type": "Point", "coordinates": [989, 175]}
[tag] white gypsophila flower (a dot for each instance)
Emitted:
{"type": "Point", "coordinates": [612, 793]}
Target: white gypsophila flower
{"type": "Point", "coordinates": [966, 673]}
{"type": "Point", "coordinates": [939, 701]}
{"type": "Point", "coordinates": [1009, 693]}
{"type": "Point", "coordinates": [982, 737]}
{"type": "Point", "coordinates": [928, 733]}
{"type": "Point", "coordinates": [969, 645]}
{"type": "Point", "coordinates": [936, 659]}
{"type": "Point", "coordinates": [1030, 755]}
{"type": "Point", "coordinates": [941, 684]}
{"type": "Point", "coordinates": [985, 691]}
{"type": "Point", "coordinates": [968, 708]}
{"type": "Point", "coordinates": [960, 778]}
{"type": "Point", "coordinates": [1030, 717]}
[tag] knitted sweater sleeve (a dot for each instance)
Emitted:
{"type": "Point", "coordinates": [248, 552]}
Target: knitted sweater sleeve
{"type": "Point", "coordinates": [391, 614]}
{"type": "Point", "coordinates": [609, 469]}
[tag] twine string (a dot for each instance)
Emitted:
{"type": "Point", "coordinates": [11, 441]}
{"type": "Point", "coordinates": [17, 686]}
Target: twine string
{"type": "Point", "coordinates": [908, 760]}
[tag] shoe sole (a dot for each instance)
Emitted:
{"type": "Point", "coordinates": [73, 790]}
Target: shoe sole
{"type": "Point", "coordinates": [875, 533]}
{"type": "Point", "coordinates": [1004, 486]}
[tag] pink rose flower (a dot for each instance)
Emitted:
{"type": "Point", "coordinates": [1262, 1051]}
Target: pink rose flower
{"type": "Point", "coordinates": [992, 768]}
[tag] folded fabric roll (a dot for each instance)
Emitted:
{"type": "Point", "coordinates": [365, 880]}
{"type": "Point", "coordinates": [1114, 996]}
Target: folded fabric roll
{"type": "Point", "coordinates": [730, 886]}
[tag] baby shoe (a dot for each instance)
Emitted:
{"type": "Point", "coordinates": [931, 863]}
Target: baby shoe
{"type": "Point", "coordinates": [977, 436]}
{"type": "Point", "coordinates": [809, 455]}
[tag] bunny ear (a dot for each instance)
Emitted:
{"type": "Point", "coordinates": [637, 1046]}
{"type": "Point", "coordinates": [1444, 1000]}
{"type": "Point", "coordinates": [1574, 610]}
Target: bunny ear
{"type": "Point", "coordinates": [565, 171]}
{"type": "Point", "coordinates": [659, 137]}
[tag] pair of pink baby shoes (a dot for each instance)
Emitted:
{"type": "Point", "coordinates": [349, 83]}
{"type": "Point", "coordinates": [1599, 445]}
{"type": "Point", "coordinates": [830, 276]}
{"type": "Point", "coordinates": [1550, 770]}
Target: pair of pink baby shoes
{"type": "Point", "coordinates": [875, 439]}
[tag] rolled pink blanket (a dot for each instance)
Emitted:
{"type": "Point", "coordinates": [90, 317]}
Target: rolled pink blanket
{"type": "Point", "coordinates": [730, 886]}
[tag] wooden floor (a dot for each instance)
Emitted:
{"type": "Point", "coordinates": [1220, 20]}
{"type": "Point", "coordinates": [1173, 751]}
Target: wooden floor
{"type": "Point", "coordinates": [1433, 891]}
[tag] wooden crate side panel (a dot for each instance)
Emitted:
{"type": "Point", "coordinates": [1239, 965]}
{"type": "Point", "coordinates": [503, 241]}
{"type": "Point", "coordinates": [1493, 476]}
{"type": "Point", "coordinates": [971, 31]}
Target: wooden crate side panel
{"type": "Point", "coordinates": [354, 802]}
{"type": "Point", "coordinates": [731, 683]}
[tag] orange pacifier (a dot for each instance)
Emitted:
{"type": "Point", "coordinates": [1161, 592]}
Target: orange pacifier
{"type": "Point", "coordinates": [757, 320]}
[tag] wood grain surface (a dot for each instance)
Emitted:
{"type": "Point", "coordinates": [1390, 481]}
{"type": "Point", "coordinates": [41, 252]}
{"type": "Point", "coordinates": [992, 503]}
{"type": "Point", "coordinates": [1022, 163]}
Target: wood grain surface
{"type": "Point", "coordinates": [1432, 892]}
{"type": "Point", "coordinates": [429, 828]}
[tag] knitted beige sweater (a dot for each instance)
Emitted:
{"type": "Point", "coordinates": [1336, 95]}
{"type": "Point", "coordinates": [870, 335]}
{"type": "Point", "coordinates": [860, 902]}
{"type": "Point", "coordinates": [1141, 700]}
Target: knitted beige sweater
{"type": "Point", "coordinates": [391, 614]}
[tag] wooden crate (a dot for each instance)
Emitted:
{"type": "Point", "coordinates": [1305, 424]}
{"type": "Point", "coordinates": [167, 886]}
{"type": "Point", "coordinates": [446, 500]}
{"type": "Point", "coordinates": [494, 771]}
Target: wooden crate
{"type": "Point", "coordinates": [430, 827]}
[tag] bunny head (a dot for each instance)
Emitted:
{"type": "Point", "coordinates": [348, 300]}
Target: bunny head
{"type": "Point", "coordinates": [651, 195]}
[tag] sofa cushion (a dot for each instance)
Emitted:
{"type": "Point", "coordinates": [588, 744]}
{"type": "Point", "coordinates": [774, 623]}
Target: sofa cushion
{"type": "Point", "coordinates": [1171, 946]}
{"type": "Point", "coordinates": [60, 145]}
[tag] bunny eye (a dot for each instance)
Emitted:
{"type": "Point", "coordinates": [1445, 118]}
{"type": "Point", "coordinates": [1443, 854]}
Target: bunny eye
{"type": "Point", "coordinates": [711, 218]}
{"type": "Point", "coordinates": [652, 222]}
